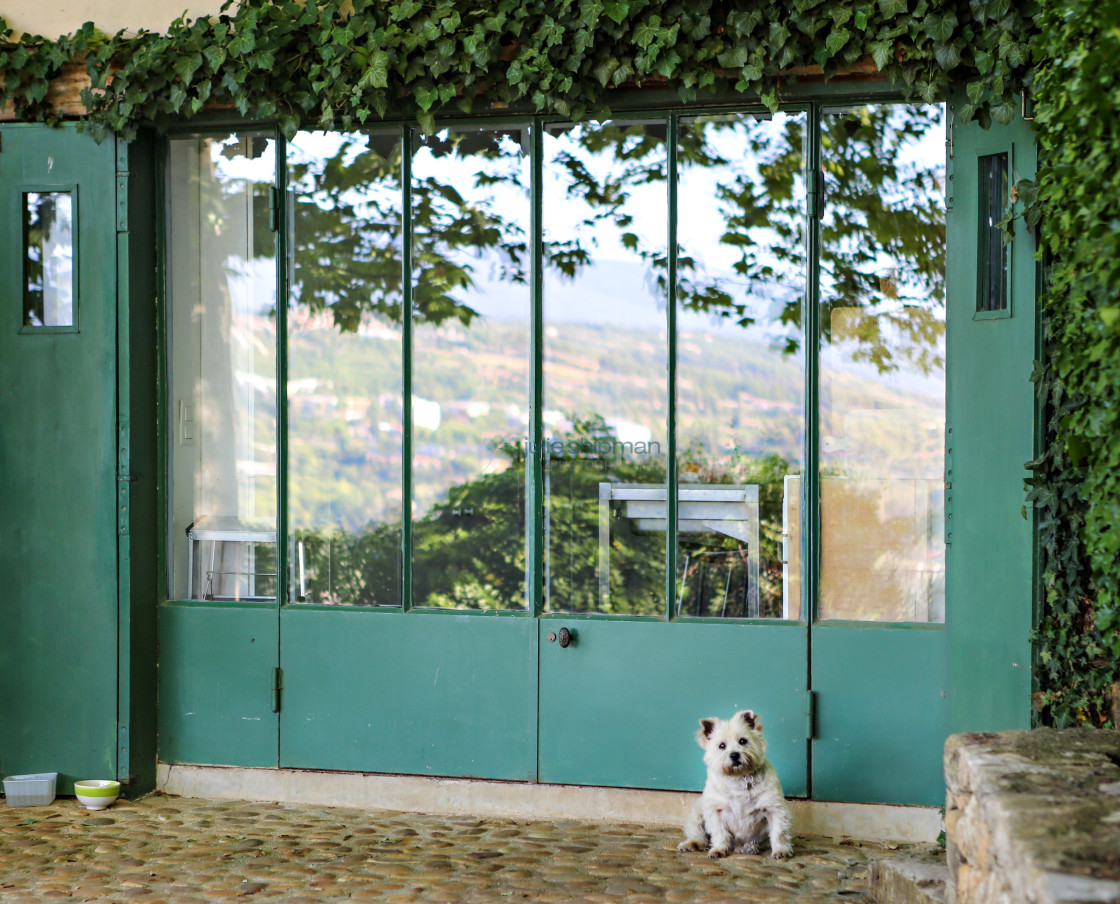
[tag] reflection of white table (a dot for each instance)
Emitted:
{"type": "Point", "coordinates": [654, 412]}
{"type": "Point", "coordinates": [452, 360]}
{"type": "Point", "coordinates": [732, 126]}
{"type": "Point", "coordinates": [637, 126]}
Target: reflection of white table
{"type": "Point", "coordinates": [731, 510]}
{"type": "Point", "coordinates": [230, 543]}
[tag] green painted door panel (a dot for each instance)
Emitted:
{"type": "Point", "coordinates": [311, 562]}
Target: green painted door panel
{"type": "Point", "coordinates": [991, 414]}
{"type": "Point", "coordinates": [880, 713]}
{"type": "Point", "coordinates": [431, 693]}
{"type": "Point", "coordinates": [621, 705]}
{"type": "Point", "coordinates": [216, 666]}
{"type": "Point", "coordinates": [58, 525]}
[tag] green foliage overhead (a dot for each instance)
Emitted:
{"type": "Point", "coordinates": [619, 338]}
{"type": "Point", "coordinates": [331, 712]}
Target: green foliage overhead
{"type": "Point", "coordinates": [315, 65]}
{"type": "Point", "coordinates": [1076, 486]}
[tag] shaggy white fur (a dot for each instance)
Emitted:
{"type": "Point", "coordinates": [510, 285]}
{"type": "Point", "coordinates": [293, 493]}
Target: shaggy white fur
{"type": "Point", "coordinates": [742, 801]}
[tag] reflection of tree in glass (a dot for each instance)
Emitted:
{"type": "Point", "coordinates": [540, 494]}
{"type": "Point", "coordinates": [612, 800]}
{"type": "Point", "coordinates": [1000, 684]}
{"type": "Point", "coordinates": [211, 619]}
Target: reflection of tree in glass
{"type": "Point", "coordinates": [883, 232]}
{"type": "Point", "coordinates": [348, 231]}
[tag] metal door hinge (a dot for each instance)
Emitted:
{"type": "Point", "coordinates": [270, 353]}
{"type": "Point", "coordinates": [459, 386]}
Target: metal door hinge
{"type": "Point", "coordinates": [277, 686]}
{"type": "Point", "coordinates": [948, 486]}
{"type": "Point", "coordinates": [810, 714]}
{"type": "Point", "coordinates": [813, 193]}
{"type": "Point", "coordinates": [273, 208]}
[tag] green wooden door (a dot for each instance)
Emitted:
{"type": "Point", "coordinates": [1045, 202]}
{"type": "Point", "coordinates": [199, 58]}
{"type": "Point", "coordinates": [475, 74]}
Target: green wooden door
{"type": "Point", "coordinates": [58, 472]}
{"type": "Point", "coordinates": [877, 551]}
{"type": "Point", "coordinates": [992, 347]}
{"type": "Point", "coordinates": [619, 706]}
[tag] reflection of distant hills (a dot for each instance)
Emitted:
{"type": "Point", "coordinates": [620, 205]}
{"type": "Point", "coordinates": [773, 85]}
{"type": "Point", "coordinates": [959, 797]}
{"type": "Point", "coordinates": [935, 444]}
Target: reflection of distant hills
{"type": "Point", "coordinates": [345, 413]}
{"type": "Point", "coordinates": [614, 292]}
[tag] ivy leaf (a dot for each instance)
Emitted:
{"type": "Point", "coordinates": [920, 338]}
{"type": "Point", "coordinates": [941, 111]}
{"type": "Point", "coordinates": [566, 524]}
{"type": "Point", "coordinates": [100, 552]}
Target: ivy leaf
{"type": "Point", "coordinates": [735, 58]}
{"type": "Point", "coordinates": [882, 52]}
{"type": "Point", "coordinates": [742, 23]}
{"type": "Point", "coordinates": [835, 42]}
{"type": "Point", "coordinates": [940, 26]}
{"type": "Point", "coordinates": [405, 10]}
{"type": "Point", "coordinates": [1003, 112]}
{"type": "Point", "coordinates": [947, 56]}
{"type": "Point", "coordinates": [215, 55]}
{"type": "Point", "coordinates": [289, 125]}
{"type": "Point", "coordinates": [243, 42]}
{"type": "Point", "coordinates": [376, 74]}
{"type": "Point", "coordinates": [186, 66]}
{"type": "Point", "coordinates": [892, 8]}
{"type": "Point", "coordinates": [617, 10]}
{"type": "Point", "coordinates": [425, 98]}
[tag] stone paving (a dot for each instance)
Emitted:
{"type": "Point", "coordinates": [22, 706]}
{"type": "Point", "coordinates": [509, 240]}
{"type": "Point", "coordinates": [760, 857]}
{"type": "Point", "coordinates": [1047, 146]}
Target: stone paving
{"type": "Point", "coordinates": [168, 850]}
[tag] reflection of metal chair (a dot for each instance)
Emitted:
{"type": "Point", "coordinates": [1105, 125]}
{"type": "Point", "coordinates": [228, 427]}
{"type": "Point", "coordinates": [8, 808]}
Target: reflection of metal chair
{"type": "Point", "coordinates": [226, 539]}
{"type": "Point", "coordinates": [700, 575]}
{"type": "Point", "coordinates": [730, 510]}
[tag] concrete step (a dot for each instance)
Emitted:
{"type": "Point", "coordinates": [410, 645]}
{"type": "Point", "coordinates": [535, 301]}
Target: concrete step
{"type": "Point", "coordinates": [909, 880]}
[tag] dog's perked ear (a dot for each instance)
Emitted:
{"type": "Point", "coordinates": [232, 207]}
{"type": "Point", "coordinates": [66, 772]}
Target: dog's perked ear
{"type": "Point", "coordinates": [707, 726]}
{"type": "Point", "coordinates": [748, 717]}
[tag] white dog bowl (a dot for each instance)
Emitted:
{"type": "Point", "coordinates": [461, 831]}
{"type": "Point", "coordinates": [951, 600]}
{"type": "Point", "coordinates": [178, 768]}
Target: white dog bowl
{"type": "Point", "coordinates": [97, 794]}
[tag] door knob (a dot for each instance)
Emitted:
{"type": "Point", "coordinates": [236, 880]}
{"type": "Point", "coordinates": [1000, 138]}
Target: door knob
{"type": "Point", "coordinates": [565, 637]}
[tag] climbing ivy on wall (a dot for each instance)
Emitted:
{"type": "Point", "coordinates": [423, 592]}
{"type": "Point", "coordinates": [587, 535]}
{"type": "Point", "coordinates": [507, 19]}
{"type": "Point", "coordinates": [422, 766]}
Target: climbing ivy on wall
{"type": "Point", "coordinates": [314, 65]}
{"type": "Point", "coordinates": [1076, 484]}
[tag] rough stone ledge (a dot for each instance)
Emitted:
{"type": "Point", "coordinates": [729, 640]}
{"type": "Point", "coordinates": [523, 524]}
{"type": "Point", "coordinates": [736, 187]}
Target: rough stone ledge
{"type": "Point", "coordinates": [1033, 816]}
{"type": "Point", "coordinates": [909, 880]}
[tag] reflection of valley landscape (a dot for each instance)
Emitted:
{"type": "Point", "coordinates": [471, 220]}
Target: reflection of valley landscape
{"type": "Point", "coordinates": [481, 522]}
{"type": "Point", "coordinates": [457, 456]}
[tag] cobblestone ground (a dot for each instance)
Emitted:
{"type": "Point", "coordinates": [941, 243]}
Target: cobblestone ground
{"type": "Point", "coordinates": [182, 851]}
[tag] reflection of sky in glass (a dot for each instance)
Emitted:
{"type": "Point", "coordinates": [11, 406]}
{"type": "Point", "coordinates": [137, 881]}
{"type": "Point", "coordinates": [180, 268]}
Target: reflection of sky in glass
{"type": "Point", "coordinates": [739, 145]}
{"type": "Point", "coordinates": [619, 286]}
{"type": "Point", "coordinates": [495, 183]}
{"type": "Point", "coordinates": [900, 292]}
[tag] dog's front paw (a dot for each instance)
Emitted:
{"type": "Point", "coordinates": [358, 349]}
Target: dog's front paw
{"type": "Point", "coordinates": [717, 852]}
{"type": "Point", "coordinates": [686, 846]}
{"type": "Point", "coordinates": [782, 853]}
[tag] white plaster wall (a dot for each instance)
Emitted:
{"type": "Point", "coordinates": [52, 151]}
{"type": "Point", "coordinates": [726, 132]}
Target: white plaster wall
{"type": "Point", "coordinates": [64, 16]}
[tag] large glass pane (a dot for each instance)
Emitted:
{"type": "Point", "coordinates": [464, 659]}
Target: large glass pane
{"type": "Point", "coordinates": [222, 275]}
{"type": "Point", "coordinates": [470, 368]}
{"type": "Point", "coordinates": [740, 383]}
{"type": "Point", "coordinates": [882, 372]}
{"type": "Point", "coordinates": [345, 364]}
{"type": "Point", "coordinates": [48, 259]}
{"type": "Point", "coordinates": [605, 379]}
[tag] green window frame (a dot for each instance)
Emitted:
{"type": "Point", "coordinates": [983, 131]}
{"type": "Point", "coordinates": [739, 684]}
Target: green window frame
{"type": "Point", "coordinates": [534, 128]}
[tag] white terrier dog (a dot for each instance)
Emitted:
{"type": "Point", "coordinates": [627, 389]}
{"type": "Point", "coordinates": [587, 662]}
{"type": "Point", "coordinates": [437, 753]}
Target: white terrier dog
{"type": "Point", "coordinates": [742, 799]}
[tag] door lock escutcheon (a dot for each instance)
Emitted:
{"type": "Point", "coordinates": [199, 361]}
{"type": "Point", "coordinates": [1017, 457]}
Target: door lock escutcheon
{"type": "Point", "coordinates": [565, 637]}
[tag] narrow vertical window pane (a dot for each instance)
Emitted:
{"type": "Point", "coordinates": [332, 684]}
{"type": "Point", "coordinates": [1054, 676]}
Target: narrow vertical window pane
{"type": "Point", "coordinates": [605, 378]}
{"type": "Point", "coordinates": [992, 294]}
{"type": "Point", "coordinates": [222, 267]}
{"type": "Point", "coordinates": [470, 368]}
{"type": "Point", "coordinates": [882, 365]}
{"type": "Point", "coordinates": [345, 366]}
{"type": "Point", "coordinates": [740, 377]}
{"type": "Point", "coordinates": [48, 259]}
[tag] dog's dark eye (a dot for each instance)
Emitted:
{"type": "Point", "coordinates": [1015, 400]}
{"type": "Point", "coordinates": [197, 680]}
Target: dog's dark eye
{"type": "Point", "coordinates": [743, 741]}
{"type": "Point", "coordinates": [722, 746]}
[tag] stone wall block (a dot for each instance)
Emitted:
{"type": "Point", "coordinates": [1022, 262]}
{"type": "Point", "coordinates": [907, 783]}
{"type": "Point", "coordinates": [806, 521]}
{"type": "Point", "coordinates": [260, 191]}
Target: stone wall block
{"type": "Point", "coordinates": [1030, 817]}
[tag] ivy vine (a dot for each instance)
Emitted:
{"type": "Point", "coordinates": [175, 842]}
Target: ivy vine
{"type": "Point", "coordinates": [321, 66]}
{"type": "Point", "coordinates": [1076, 483]}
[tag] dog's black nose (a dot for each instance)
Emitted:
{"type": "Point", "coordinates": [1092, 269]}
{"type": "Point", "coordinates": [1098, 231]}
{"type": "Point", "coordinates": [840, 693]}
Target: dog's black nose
{"type": "Point", "coordinates": [734, 756]}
